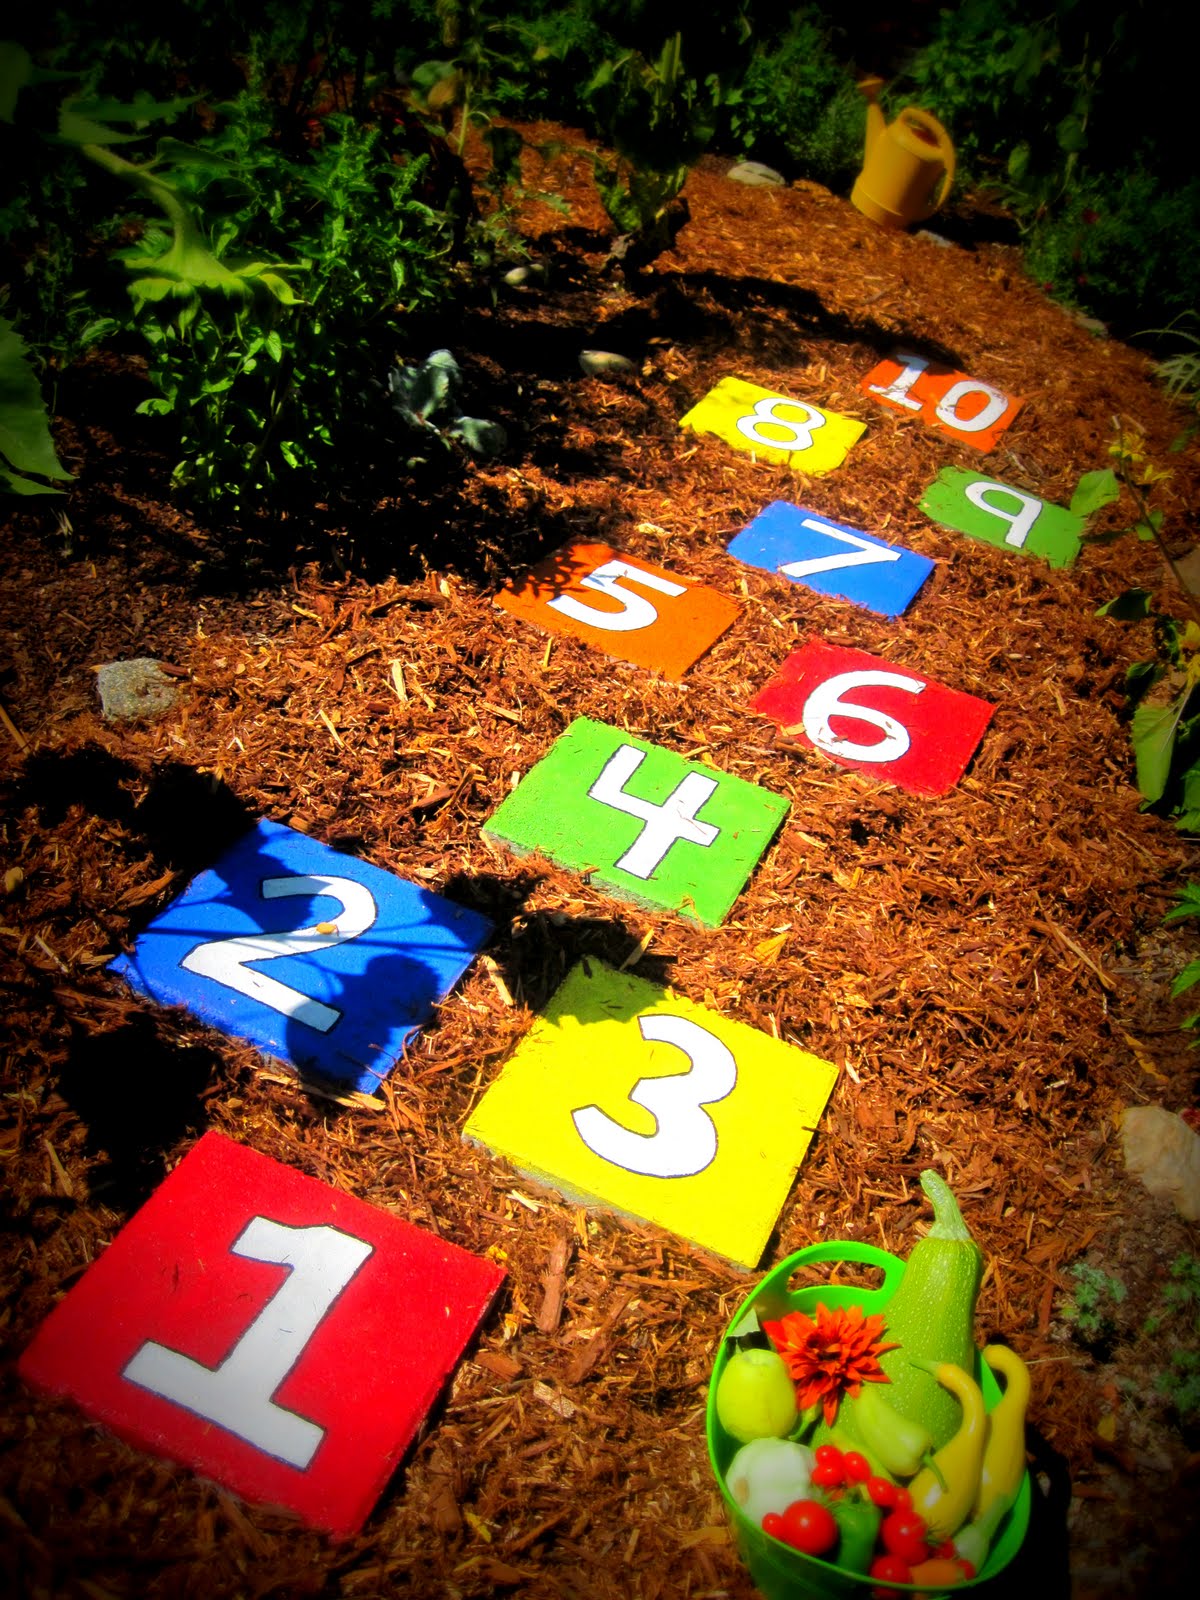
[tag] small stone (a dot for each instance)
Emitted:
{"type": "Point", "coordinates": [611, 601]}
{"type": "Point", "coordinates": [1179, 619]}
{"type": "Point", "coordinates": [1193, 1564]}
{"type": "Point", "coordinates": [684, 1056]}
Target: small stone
{"type": "Point", "coordinates": [605, 364]}
{"type": "Point", "coordinates": [934, 238]}
{"type": "Point", "coordinates": [757, 174]}
{"type": "Point", "coordinates": [1164, 1153]}
{"type": "Point", "coordinates": [132, 689]}
{"type": "Point", "coordinates": [531, 274]}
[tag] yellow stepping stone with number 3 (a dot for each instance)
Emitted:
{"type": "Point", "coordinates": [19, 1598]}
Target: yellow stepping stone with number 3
{"type": "Point", "coordinates": [773, 427]}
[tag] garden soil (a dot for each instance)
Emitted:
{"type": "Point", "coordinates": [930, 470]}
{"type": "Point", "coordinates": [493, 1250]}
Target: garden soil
{"type": "Point", "coordinates": [987, 970]}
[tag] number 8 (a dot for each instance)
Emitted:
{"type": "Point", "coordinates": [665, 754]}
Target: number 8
{"type": "Point", "coordinates": [764, 411]}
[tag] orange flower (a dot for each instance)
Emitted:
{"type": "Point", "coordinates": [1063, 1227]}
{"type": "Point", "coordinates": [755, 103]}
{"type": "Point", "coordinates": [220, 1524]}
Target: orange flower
{"type": "Point", "coordinates": [832, 1356]}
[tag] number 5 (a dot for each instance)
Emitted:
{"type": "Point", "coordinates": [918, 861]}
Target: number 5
{"type": "Point", "coordinates": [636, 611]}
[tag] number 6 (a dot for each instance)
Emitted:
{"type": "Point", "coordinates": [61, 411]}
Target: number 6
{"type": "Point", "coordinates": [826, 702]}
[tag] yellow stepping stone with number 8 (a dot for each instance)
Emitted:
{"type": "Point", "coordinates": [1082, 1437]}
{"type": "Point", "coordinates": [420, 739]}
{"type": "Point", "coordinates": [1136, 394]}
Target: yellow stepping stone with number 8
{"type": "Point", "coordinates": [773, 427]}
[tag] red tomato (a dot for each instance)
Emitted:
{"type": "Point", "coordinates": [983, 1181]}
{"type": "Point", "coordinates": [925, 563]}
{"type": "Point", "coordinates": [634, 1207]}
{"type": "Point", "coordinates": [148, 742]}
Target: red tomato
{"type": "Point", "coordinates": [944, 1551]}
{"type": "Point", "coordinates": [809, 1526]}
{"type": "Point", "coordinates": [827, 1475]}
{"type": "Point", "coordinates": [828, 1453]}
{"type": "Point", "coordinates": [903, 1499]}
{"type": "Point", "coordinates": [903, 1535]}
{"type": "Point", "coordinates": [892, 1570]}
{"type": "Point", "coordinates": [882, 1492]}
{"type": "Point", "coordinates": [858, 1468]}
{"type": "Point", "coordinates": [773, 1524]}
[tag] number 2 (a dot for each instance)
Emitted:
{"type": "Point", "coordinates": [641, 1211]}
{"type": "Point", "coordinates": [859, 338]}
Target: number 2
{"type": "Point", "coordinates": [237, 1394]}
{"type": "Point", "coordinates": [636, 611]}
{"type": "Point", "coordinates": [225, 960]}
{"type": "Point", "coordinates": [685, 1139]}
{"type": "Point", "coordinates": [801, 429]}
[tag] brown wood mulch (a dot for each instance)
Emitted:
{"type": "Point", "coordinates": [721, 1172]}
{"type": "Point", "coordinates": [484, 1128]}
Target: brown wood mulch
{"type": "Point", "coordinates": [978, 966]}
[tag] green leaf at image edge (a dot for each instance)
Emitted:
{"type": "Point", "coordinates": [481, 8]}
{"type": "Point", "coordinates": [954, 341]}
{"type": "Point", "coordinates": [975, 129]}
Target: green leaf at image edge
{"type": "Point", "coordinates": [1154, 730]}
{"type": "Point", "coordinates": [25, 440]}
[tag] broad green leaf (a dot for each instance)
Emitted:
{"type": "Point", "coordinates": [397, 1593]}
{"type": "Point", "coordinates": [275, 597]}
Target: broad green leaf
{"type": "Point", "coordinates": [1095, 489]}
{"type": "Point", "coordinates": [155, 407]}
{"type": "Point", "coordinates": [1153, 734]}
{"type": "Point", "coordinates": [1149, 526]}
{"type": "Point", "coordinates": [1071, 135]}
{"type": "Point", "coordinates": [139, 111]}
{"type": "Point", "coordinates": [18, 485]}
{"type": "Point", "coordinates": [25, 438]}
{"type": "Point", "coordinates": [1188, 903]}
{"type": "Point", "coordinates": [1187, 979]}
{"type": "Point", "coordinates": [1130, 606]}
{"type": "Point", "coordinates": [16, 71]}
{"type": "Point", "coordinates": [274, 346]}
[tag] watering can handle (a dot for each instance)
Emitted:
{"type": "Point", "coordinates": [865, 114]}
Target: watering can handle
{"type": "Point", "coordinates": [933, 127]}
{"type": "Point", "coordinates": [867, 1255]}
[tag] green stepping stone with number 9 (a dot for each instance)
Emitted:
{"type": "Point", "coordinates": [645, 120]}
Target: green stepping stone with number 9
{"type": "Point", "coordinates": [982, 507]}
{"type": "Point", "coordinates": [646, 823]}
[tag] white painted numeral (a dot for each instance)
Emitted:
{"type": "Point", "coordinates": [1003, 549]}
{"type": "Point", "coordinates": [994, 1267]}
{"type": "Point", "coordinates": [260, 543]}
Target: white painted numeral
{"type": "Point", "coordinates": [637, 612]}
{"type": "Point", "coordinates": [947, 407]}
{"type": "Point", "coordinates": [666, 824]}
{"type": "Point", "coordinates": [826, 702]}
{"type": "Point", "coordinates": [897, 390]}
{"type": "Point", "coordinates": [236, 1395]}
{"type": "Point", "coordinates": [865, 553]}
{"type": "Point", "coordinates": [685, 1137]}
{"type": "Point", "coordinates": [802, 429]}
{"type": "Point", "coordinates": [1021, 519]}
{"type": "Point", "coordinates": [225, 960]}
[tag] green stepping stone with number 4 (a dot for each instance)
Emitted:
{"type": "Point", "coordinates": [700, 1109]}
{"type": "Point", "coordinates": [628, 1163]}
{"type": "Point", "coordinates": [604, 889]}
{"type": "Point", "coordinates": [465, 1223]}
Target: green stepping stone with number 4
{"type": "Point", "coordinates": [984, 508]}
{"type": "Point", "coordinates": [647, 824]}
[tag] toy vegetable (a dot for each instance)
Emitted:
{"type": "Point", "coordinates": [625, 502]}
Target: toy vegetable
{"type": "Point", "coordinates": [944, 1506]}
{"type": "Point", "coordinates": [901, 1444]}
{"type": "Point", "coordinates": [768, 1474]}
{"type": "Point", "coordinates": [973, 1542]}
{"type": "Point", "coordinates": [756, 1398]}
{"type": "Point", "coordinates": [858, 1527]}
{"type": "Point", "coordinates": [1004, 1450]}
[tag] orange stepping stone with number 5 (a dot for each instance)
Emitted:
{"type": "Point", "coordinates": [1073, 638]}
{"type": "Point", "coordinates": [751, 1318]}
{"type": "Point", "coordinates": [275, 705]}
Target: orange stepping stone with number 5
{"type": "Point", "coordinates": [626, 608]}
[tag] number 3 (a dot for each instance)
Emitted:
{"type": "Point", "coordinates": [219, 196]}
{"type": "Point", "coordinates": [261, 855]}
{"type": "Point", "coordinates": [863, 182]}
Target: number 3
{"type": "Point", "coordinates": [225, 960]}
{"type": "Point", "coordinates": [764, 411]}
{"type": "Point", "coordinates": [685, 1141]}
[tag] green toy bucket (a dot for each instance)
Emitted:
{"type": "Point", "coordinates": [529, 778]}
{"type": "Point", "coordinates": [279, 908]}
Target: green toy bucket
{"type": "Point", "coordinates": [780, 1572]}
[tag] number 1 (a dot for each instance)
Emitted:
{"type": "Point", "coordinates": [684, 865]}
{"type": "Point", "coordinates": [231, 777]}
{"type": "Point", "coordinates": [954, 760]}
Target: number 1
{"type": "Point", "coordinates": [236, 1395]}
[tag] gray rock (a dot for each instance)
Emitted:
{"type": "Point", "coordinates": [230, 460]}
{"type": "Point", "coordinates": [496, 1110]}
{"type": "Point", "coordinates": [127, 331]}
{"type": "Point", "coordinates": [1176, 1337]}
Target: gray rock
{"type": "Point", "coordinates": [1164, 1153]}
{"type": "Point", "coordinates": [605, 364]}
{"type": "Point", "coordinates": [934, 238]}
{"type": "Point", "coordinates": [757, 174]}
{"type": "Point", "coordinates": [132, 689]}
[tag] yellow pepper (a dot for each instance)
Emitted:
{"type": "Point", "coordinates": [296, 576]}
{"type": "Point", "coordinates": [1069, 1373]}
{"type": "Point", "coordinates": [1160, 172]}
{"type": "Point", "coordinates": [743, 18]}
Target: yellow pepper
{"type": "Point", "coordinates": [944, 1505]}
{"type": "Point", "coordinates": [1004, 1449]}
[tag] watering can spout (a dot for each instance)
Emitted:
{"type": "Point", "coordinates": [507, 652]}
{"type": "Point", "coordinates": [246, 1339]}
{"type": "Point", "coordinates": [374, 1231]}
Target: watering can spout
{"type": "Point", "coordinates": [908, 167]}
{"type": "Point", "coordinates": [876, 123]}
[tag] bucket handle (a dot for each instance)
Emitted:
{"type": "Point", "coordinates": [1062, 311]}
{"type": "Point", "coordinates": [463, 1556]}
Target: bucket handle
{"type": "Point", "coordinates": [931, 125]}
{"type": "Point", "coordinates": [867, 1255]}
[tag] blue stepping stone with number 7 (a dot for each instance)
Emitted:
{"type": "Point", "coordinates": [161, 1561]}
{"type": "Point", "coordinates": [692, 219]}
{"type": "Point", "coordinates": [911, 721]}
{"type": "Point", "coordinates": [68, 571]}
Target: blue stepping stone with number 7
{"type": "Point", "coordinates": [316, 957]}
{"type": "Point", "coordinates": [832, 558]}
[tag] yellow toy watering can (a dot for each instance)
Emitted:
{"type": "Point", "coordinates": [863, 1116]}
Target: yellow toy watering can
{"type": "Point", "coordinates": [907, 169]}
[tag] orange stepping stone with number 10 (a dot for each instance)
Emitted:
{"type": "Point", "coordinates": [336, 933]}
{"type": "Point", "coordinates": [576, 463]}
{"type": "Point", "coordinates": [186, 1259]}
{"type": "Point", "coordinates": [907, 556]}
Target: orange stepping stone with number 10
{"type": "Point", "coordinates": [626, 608]}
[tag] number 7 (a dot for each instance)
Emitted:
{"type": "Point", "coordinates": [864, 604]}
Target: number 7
{"type": "Point", "coordinates": [866, 552]}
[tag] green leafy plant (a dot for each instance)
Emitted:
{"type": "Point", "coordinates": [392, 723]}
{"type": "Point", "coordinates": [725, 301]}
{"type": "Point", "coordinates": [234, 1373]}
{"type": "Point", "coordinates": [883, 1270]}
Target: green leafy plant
{"type": "Point", "coordinates": [1088, 1309]}
{"type": "Point", "coordinates": [1164, 692]}
{"type": "Point", "coordinates": [27, 453]}
{"type": "Point", "coordinates": [1178, 1315]}
{"type": "Point", "coordinates": [1187, 905]}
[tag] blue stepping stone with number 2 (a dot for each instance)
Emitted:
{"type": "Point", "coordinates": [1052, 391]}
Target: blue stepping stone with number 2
{"type": "Point", "coordinates": [832, 558]}
{"type": "Point", "coordinates": [316, 957]}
